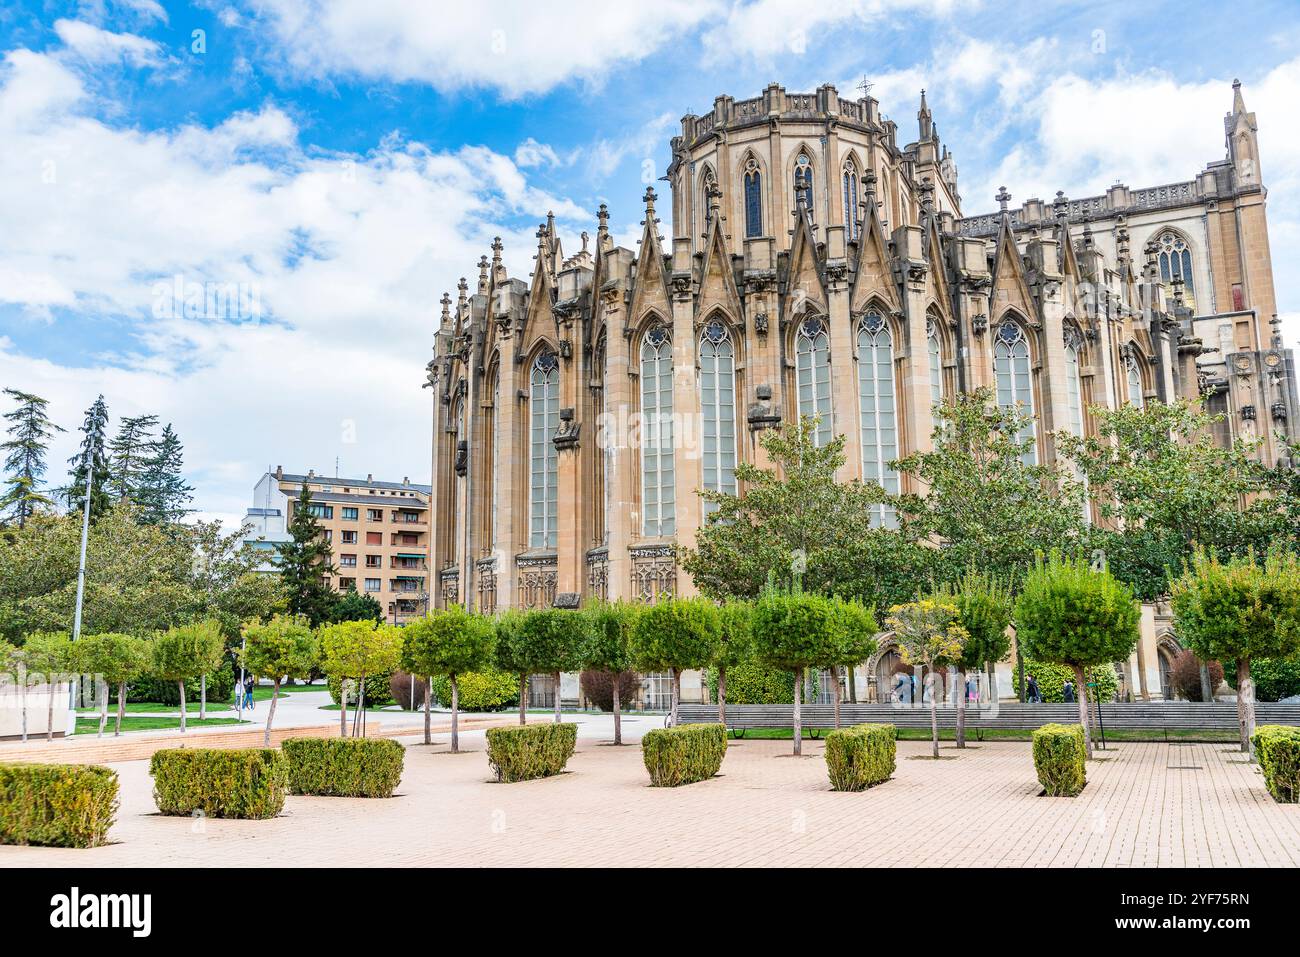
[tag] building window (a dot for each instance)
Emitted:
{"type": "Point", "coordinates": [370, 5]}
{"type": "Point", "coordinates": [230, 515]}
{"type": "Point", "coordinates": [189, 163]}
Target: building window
{"type": "Point", "coordinates": [1073, 389]}
{"type": "Point", "coordinates": [813, 376]}
{"type": "Point", "coordinates": [349, 537]}
{"type": "Point", "coordinates": [1133, 376]}
{"type": "Point", "coordinates": [657, 489]}
{"type": "Point", "coordinates": [1176, 262]}
{"type": "Point", "coordinates": [543, 458]}
{"type": "Point", "coordinates": [718, 403]}
{"type": "Point", "coordinates": [1015, 380]}
{"type": "Point", "coordinates": [877, 409]}
{"type": "Point", "coordinates": [936, 363]}
{"type": "Point", "coordinates": [374, 515]}
{"type": "Point", "coordinates": [320, 511]}
{"type": "Point", "coordinates": [803, 183]}
{"type": "Point", "coordinates": [753, 199]}
{"type": "Point", "coordinates": [374, 538]}
{"type": "Point", "coordinates": [349, 514]}
{"type": "Point", "coordinates": [851, 226]}
{"type": "Point", "coordinates": [372, 584]}
{"type": "Point", "coordinates": [374, 561]}
{"type": "Point", "coordinates": [347, 561]}
{"type": "Point", "coordinates": [347, 584]}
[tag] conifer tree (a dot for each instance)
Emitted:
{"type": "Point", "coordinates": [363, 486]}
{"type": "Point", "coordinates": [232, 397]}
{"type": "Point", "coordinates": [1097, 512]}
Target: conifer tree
{"type": "Point", "coordinates": [129, 453]}
{"type": "Point", "coordinates": [29, 439]}
{"type": "Point", "coordinates": [163, 493]}
{"type": "Point", "coordinates": [304, 562]}
{"type": "Point", "coordinates": [93, 450]}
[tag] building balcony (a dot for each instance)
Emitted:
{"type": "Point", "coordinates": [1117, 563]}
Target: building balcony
{"type": "Point", "coordinates": [408, 564]}
{"type": "Point", "coordinates": [412, 539]}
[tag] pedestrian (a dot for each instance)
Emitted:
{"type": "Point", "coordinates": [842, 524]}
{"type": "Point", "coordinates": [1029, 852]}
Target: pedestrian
{"type": "Point", "coordinates": [1067, 692]}
{"type": "Point", "coordinates": [239, 695]}
{"type": "Point", "coordinates": [248, 693]}
{"type": "Point", "coordinates": [1031, 691]}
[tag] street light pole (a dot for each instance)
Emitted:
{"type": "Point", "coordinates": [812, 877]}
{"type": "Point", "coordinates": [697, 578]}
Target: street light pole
{"type": "Point", "coordinates": [85, 534]}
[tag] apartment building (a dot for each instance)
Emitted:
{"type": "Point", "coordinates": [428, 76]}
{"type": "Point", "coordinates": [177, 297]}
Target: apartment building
{"type": "Point", "coordinates": [379, 532]}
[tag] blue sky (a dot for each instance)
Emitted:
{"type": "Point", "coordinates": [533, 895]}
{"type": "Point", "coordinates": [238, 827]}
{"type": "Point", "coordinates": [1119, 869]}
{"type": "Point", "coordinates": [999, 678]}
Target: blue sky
{"type": "Point", "coordinates": [344, 164]}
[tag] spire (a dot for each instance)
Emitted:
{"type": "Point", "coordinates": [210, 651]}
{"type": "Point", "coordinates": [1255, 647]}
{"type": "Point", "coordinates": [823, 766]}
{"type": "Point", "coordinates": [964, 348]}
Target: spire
{"type": "Point", "coordinates": [1061, 207]}
{"type": "Point", "coordinates": [1003, 198]}
{"type": "Point", "coordinates": [926, 189]}
{"type": "Point", "coordinates": [1238, 103]}
{"type": "Point", "coordinates": [462, 296]}
{"type": "Point", "coordinates": [925, 121]}
{"type": "Point", "coordinates": [602, 216]}
{"type": "Point", "coordinates": [649, 200]}
{"type": "Point", "coordinates": [483, 274]}
{"type": "Point", "coordinates": [445, 319]}
{"type": "Point", "coordinates": [498, 272]}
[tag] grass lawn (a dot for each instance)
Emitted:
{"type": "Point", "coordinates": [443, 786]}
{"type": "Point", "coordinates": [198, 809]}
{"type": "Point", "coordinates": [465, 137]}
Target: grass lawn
{"type": "Point", "coordinates": [147, 723]}
{"type": "Point", "coordinates": [1190, 735]}
{"type": "Point", "coordinates": [154, 707]}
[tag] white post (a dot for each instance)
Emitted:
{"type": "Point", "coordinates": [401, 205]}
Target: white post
{"type": "Point", "coordinates": [85, 534]}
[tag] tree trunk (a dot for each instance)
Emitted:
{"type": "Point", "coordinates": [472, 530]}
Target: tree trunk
{"type": "Point", "coordinates": [722, 694]}
{"type": "Point", "coordinates": [270, 712]}
{"type": "Point", "coordinates": [357, 718]}
{"type": "Point", "coordinates": [556, 676]}
{"type": "Point", "coordinates": [523, 699]}
{"type": "Point", "coordinates": [673, 691]}
{"type": "Point", "coordinates": [798, 714]}
{"type": "Point", "coordinates": [835, 693]}
{"type": "Point", "coordinates": [992, 669]}
{"type": "Point", "coordinates": [455, 709]}
{"type": "Point", "coordinates": [934, 711]}
{"type": "Point", "coordinates": [1081, 696]}
{"type": "Point", "coordinates": [1020, 676]}
{"type": "Point", "coordinates": [103, 707]}
{"type": "Point", "coordinates": [1245, 704]}
{"type": "Point", "coordinates": [52, 684]}
{"type": "Point", "coordinates": [961, 707]}
{"type": "Point", "coordinates": [852, 678]}
{"type": "Point", "coordinates": [1207, 693]}
{"type": "Point", "coordinates": [121, 707]}
{"type": "Point", "coordinates": [23, 693]}
{"type": "Point", "coordinates": [428, 693]}
{"type": "Point", "coordinates": [618, 718]}
{"type": "Point", "coordinates": [181, 685]}
{"type": "Point", "coordinates": [203, 697]}
{"type": "Point", "coordinates": [343, 707]}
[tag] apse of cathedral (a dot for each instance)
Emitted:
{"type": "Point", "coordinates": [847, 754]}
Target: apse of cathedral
{"type": "Point", "coordinates": [810, 263]}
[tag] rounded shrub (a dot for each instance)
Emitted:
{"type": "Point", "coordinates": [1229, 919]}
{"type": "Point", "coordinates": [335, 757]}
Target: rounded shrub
{"type": "Point", "coordinates": [861, 756]}
{"type": "Point", "coordinates": [684, 754]}
{"type": "Point", "coordinates": [1278, 749]}
{"type": "Point", "coordinates": [530, 751]}
{"type": "Point", "coordinates": [1275, 678]}
{"type": "Point", "coordinates": [1185, 675]}
{"type": "Point", "coordinates": [598, 688]}
{"type": "Point", "coordinates": [221, 688]}
{"type": "Point", "coordinates": [752, 682]}
{"type": "Point", "coordinates": [378, 690]}
{"type": "Point", "coordinates": [1059, 755]}
{"type": "Point", "coordinates": [57, 805]}
{"type": "Point", "coordinates": [1103, 681]}
{"type": "Point", "coordinates": [489, 690]}
{"type": "Point", "coordinates": [404, 696]}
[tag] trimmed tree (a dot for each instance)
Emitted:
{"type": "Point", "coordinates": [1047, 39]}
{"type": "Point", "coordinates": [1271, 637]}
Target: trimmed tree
{"type": "Point", "coordinates": [508, 650]}
{"type": "Point", "coordinates": [547, 641]}
{"type": "Point", "coordinates": [1238, 611]}
{"type": "Point", "coordinates": [1073, 614]}
{"type": "Point", "coordinates": [49, 653]}
{"type": "Point", "coordinates": [449, 642]}
{"type": "Point", "coordinates": [735, 645]}
{"type": "Point", "coordinates": [282, 648]}
{"type": "Point", "coordinates": [673, 634]}
{"type": "Point", "coordinates": [984, 606]}
{"type": "Point", "coordinates": [857, 642]}
{"type": "Point", "coordinates": [793, 631]}
{"type": "Point", "coordinates": [929, 633]}
{"type": "Point", "coordinates": [185, 651]}
{"type": "Point", "coordinates": [608, 646]}
{"type": "Point", "coordinates": [115, 659]}
{"type": "Point", "coordinates": [355, 650]}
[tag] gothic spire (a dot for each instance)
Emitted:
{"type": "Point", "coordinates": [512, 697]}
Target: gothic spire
{"type": "Point", "coordinates": [925, 120]}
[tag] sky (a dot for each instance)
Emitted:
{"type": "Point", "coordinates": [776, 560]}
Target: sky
{"type": "Point", "coordinates": [337, 166]}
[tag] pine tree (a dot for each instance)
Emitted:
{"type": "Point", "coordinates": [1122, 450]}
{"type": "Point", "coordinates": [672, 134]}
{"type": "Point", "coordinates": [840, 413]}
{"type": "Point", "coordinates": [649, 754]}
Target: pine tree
{"type": "Point", "coordinates": [128, 455]}
{"type": "Point", "coordinates": [305, 560]}
{"type": "Point", "coordinates": [29, 440]}
{"type": "Point", "coordinates": [94, 449]}
{"type": "Point", "coordinates": [163, 494]}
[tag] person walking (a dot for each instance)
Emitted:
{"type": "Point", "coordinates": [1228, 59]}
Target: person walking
{"type": "Point", "coordinates": [1031, 691]}
{"type": "Point", "coordinates": [248, 693]}
{"type": "Point", "coordinates": [1067, 692]}
{"type": "Point", "coordinates": [239, 696]}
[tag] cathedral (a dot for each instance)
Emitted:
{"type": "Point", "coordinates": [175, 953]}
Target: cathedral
{"type": "Point", "coordinates": [817, 266]}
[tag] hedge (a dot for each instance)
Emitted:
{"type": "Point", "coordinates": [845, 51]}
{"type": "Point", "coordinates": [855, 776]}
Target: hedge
{"type": "Point", "coordinates": [57, 805]}
{"type": "Point", "coordinates": [1278, 749]}
{"type": "Point", "coordinates": [751, 682]}
{"type": "Point", "coordinates": [221, 688]}
{"type": "Point", "coordinates": [530, 751]}
{"type": "Point", "coordinates": [343, 767]}
{"type": "Point", "coordinates": [488, 690]}
{"type": "Point", "coordinates": [861, 756]}
{"type": "Point", "coordinates": [378, 692]}
{"type": "Point", "coordinates": [1058, 758]}
{"type": "Point", "coordinates": [683, 754]}
{"type": "Point", "coordinates": [237, 782]}
{"type": "Point", "coordinates": [1103, 681]}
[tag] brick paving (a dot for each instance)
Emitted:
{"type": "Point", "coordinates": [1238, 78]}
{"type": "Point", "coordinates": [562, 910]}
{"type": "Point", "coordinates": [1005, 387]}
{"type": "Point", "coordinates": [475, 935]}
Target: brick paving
{"type": "Point", "coordinates": [1146, 805]}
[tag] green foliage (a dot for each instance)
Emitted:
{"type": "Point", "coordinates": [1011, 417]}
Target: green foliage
{"type": "Point", "coordinates": [1059, 759]}
{"type": "Point", "coordinates": [752, 682]}
{"type": "Point", "coordinates": [304, 562]}
{"type": "Point", "coordinates": [29, 434]}
{"type": "Point", "coordinates": [112, 655]}
{"type": "Point", "coordinates": [1240, 608]}
{"type": "Point", "coordinates": [448, 642]}
{"type": "Point", "coordinates": [928, 632]}
{"type": "Point", "coordinates": [683, 754]}
{"type": "Point", "coordinates": [57, 805]}
{"type": "Point", "coordinates": [1103, 681]}
{"type": "Point", "coordinates": [861, 756]}
{"type": "Point", "coordinates": [1275, 678]}
{"type": "Point", "coordinates": [238, 782]}
{"type": "Point", "coordinates": [92, 454]}
{"type": "Point", "coordinates": [735, 636]}
{"type": "Point", "coordinates": [48, 652]}
{"type": "Point", "coordinates": [183, 651]}
{"type": "Point", "coordinates": [353, 605]}
{"type": "Point", "coordinates": [530, 751]}
{"type": "Point", "coordinates": [857, 632]}
{"type": "Point", "coordinates": [1278, 749]}
{"type": "Point", "coordinates": [284, 647]}
{"type": "Point", "coordinates": [379, 690]}
{"type": "Point", "coordinates": [343, 767]}
{"type": "Point", "coordinates": [129, 455]}
{"type": "Point", "coordinates": [676, 633]}
{"type": "Point", "coordinates": [356, 649]}
{"type": "Point", "coordinates": [546, 640]}
{"type": "Point", "coordinates": [485, 690]}
{"type": "Point", "coordinates": [794, 630]}
{"type": "Point", "coordinates": [149, 687]}
{"type": "Point", "coordinates": [610, 636]}
{"type": "Point", "coordinates": [163, 494]}
{"type": "Point", "coordinates": [1072, 614]}
{"type": "Point", "coordinates": [984, 606]}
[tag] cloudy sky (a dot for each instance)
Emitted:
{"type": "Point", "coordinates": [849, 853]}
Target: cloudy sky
{"type": "Point", "coordinates": [343, 163]}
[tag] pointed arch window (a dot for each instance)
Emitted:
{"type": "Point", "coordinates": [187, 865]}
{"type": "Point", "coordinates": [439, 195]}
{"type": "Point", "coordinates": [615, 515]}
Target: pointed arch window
{"type": "Point", "coordinates": [1014, 377]}
{"type": "Point", "coordinates": [753, 199]}
{"type": "Point", "coordinates": [543, 458]}
{"type": "Point", "coordinates": [1073, 386]}
{"type": "Point", "coordinates": [813, 376]}
{"type": "Point", "coordinates": [718, 405]}
{"type": "Point", "coordinates": [877, 409]}
{"type": "Point", "coordinates": [1176, 262]}
{"type": "Point", "coordinates": [936, 362]}
{"type": "Point", "coordinates": [657, 488]}
{"type": "Point", "coordinates": [803, 182]}
{"type": "Point", "coordinates": [1133, 379]}
{"type": "Point", "coordinates": [850, 187]}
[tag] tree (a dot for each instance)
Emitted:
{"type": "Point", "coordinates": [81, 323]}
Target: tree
{"type": "Point", "coordinates": [163, 493]}
{"type": "Point", "coordinates": [795, 630]}
{"type": "Point", "coordinates": [129, 455]}
{"type": "Point", "coordinates": [353, 605]}
{"type": "Point", "coordinates": [985, 503]}
{"type": "Point", "coordinates": [857, 643]}
{"type": "Point", "coordinates": [450, 642]}
{"type": "Point", "coordinates": [608, 648]}
{"type": "Point", "coordinates": [929, 633]}
{"type": "Point", "coordinates": [984, 604]}
{"type": "Point", "coordinates": [353, 650]}
{"type": "Point", "coordinates": [510, 653]}
{"type": "Point", "coordinates": [48, 653]}
{"type": "Point", "coordinates": [1073, 614]}
{"type": "Point", "coordinates": [92, 457]}
{"type": "Point", "coordinates": [184, 652]}
{"type": "Point", "coordinates": [1185, 676]}
{"type": "Point", "coordinates": [547, 641]}
{"type": "Point", "coordinates": [114, 659]}
{"type": "Point", "coordinates": [283, 647]}
{"type": "Point", "coordinates": [1239, 610]}
{"type": "Point", "coordinates": [29, 433]}
{"type": "Point", "coordinates": [305, 561]}
{"type": "Point", "coordinates": [673, 634]}
{"type": "Point", "coordinates": [735, 645]}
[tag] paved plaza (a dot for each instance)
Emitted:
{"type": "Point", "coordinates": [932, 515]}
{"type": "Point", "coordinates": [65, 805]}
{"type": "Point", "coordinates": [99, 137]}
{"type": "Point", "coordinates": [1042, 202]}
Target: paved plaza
{"type": "Point", "coordinates": [1146, 805]}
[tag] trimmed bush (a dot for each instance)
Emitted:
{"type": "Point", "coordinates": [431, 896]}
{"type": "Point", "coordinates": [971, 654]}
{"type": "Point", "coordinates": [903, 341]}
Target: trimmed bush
{"type": "Point", "coordinates": [488, 690]}
{"type": "Point", "coordinates": [1275, 678]}
{"type": "Point", "coordinates": [751, 682]}
{"type": "Point", "coordinates": [234, 782]}
{"type": "Point", "coordinates": [1278, 749]}
{"type": "Point", "coordinates": [1059, 754]}
{"type": "Point", "coordinates": [530, 751]}
{"type": "Point", "coordinates": [399, 686]}
{"type": "Point", "coordinates": [56, 805]}
{"type": "Point", "coordinates": [683, 754]}
{"type": "Point", "coordinates": [343, 767]}
{"type": "Point", "coordinates": [1051, 678]}
{"type": "Point", "coordinates": [221, 688]}
{"type": "Point", "coordinates": [861, 756]}
{"type": "Point", "coordinates": [378, 692]}
{"type": "Point", "coordinates": [598, 688]}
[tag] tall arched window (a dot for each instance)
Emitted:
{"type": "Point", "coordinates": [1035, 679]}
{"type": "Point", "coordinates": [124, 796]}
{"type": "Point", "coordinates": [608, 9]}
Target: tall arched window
{"type": "Point", "coordinates": [753, 199]}
{"type": "Point", "coordinates": [1073, 387]}
{"type": "Point", "coordinates": [718, 404]}
{"type": "Point", "coordinates": [1176, 261]}
{"type": "Point", "coordinates": [543, 458]}
{"type": "Point", "coordinates": [657, 490]}
{"type": "Point", "coordinates": [803, 182]}
{"type": "Point", "coordinates": [850, 188]}
{"type": "Point", "coordinates": [1133, 377]}
{"type": "Point", "coordinates": [1015, 380]}
{"type": "Point", "coordinates": [813, 376]}
{"type": "Point", "coordinates": [493, 456]}
{"type": "Point", "coordinates": [877, 409]}
{"type": "Point", "coordinates": [936, 362]}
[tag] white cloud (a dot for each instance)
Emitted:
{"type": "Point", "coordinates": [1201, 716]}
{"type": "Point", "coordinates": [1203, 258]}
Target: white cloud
{"type": "Point", "coordinates": [99, 46]}
{"type": "Point", "coordinates": [532, 153]}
